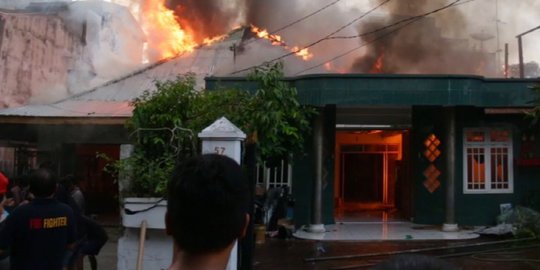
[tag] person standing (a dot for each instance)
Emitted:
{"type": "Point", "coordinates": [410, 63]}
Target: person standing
{"type": "Point", "coordinates": [39, 235]}
{"type": "Point", "coordinates": [207, 211]}
{"type": "Point", "coordinates": [71, 184]}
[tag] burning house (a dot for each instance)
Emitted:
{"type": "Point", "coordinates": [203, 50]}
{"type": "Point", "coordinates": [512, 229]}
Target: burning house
{"type": "Point", "coordinates": [72, 130]}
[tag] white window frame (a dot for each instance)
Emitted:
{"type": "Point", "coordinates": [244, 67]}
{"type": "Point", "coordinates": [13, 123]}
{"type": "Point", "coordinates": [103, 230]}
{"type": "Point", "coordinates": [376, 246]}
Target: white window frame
{"type": "Point", "coordinates": [487, 146]}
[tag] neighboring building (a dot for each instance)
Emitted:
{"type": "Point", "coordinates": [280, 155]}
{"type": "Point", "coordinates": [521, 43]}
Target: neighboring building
{"type": "Point", "coordinates": [50, 51]}
{"type": "Point", "coordinates": [428, 148]}
{"type": "Point", "coordinates": [36, 52]}
{"type": "Point", "coordinates": [70, 131]}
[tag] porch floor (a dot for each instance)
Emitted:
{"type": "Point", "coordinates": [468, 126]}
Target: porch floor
{"type": "Point", "coordinates": [384, 230]}
{"type": "Point", "coordinates": [382, 224]}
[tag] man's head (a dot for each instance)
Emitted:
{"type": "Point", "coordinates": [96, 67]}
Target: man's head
{"type": "Point", "coordinates": [207, 204]}
{"type": "Point", "coordinates": [68, 181]}
{"type": "Point", "coordinates": [42, 183]}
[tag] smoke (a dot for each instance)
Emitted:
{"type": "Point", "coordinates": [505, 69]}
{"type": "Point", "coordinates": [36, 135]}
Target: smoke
{"type": "Point", "coordinates": [465, 39]}
{"type": "Point", "coordinates": [206, 18]}
{"type": "Point", "coordinates": [430, 45]}
{"type": "Point", "coordinates": [448, 42]}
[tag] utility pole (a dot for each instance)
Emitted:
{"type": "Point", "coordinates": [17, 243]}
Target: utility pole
{"type": "Point", "coordinates": [506, 60]}
{"type": "Point", "coordinates": [498, 54]}
{"type": "Point", "coordinates": [520, 50]}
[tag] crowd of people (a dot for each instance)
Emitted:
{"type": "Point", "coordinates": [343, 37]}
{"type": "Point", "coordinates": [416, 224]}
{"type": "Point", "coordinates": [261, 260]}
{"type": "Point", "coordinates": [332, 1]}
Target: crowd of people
{"type": "Point", "coordinates": [43, 223]}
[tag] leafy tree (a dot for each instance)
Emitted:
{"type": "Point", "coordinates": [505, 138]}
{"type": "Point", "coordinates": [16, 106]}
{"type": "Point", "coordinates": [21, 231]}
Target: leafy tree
{"type": "Point", "coordinates": [165, 124]}
{"type": "Point", "coordinates": [535, 113]}
{"type": "Point", "coordinates": [276, 116]}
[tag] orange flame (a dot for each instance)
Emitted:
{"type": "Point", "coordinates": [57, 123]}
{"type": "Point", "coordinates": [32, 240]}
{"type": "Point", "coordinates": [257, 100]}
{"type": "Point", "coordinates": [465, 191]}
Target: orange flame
{"type": "Point", "coordinates": [263, 33]}
{"type": "Point", "coordinates": [378, 65]}
{"type": "Point", "coordinates": [331, 67]}
{"type": "Point", "coordinates": [163, 30]}
{"type": "Point", "coordinates": [305, 54]}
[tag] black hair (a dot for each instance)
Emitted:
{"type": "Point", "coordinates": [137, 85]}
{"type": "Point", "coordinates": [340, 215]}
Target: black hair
{"type": "Point", "coordinates": [414, 262]}
{"type": "Point", "coordinates": [68, 180]}
{"type": "Point", "coordinates": [207, 203]}
{"type": "Point", "coordinates": [42, 182]}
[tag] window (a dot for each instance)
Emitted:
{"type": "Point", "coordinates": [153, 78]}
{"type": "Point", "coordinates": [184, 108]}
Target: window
{"type": "Point", "coordinates": [487, 161]}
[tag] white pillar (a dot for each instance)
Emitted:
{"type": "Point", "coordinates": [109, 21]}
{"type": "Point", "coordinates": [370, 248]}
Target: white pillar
{"type": "Point", "coordinates": [224, 138]}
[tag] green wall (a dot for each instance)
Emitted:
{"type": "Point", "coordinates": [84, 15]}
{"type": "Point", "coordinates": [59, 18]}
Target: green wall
{"type": "Point", "coordinates": [427, 94]}
{"type": "Point", "coordinates": [470, 209]}
{"type": "Point", "coordinates": [429, 208]}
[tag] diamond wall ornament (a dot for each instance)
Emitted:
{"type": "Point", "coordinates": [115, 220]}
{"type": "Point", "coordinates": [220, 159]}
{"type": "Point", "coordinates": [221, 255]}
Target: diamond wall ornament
{"type": "Point", "coordinates": [432, 185]}
{"type": "Point", "coordinates": [431, 173]}
{"type": "Point", "coordinates": [432, 152]}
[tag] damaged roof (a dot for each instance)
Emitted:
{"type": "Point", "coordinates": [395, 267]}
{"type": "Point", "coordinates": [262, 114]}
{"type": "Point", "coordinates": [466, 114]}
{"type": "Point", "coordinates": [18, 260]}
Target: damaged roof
{"type": "Point", "coordinates": [112, 99]}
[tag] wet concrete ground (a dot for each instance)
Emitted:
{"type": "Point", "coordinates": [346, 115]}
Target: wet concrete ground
{"type": "Point", "coordinates": [290, 254]}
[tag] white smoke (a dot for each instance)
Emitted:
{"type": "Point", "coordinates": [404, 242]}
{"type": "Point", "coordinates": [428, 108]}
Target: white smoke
{"type": "Point", "coordinates": [107, 42]}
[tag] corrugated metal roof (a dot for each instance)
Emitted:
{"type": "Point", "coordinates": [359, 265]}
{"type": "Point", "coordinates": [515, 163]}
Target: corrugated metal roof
{"type": "Point", "coordinates": [73, 108]}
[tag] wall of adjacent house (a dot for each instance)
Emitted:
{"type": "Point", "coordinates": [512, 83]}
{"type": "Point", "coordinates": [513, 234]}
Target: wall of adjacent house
{"type": "Point", "coordinates": [35, 52]}
{"type": "Point", "coordinates": [50, 53]}
{"type": "Point", "coordinates": [470, 209]}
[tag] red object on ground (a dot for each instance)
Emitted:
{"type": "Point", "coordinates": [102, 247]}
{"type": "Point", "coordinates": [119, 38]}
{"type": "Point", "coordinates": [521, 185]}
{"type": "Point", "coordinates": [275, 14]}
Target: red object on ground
{"type": "Point", "coordinates": [3, 183]}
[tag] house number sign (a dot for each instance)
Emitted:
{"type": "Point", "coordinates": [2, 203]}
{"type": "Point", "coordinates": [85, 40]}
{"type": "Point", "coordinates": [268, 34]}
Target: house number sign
{"type": "Point", "coordinates": [220, 150]}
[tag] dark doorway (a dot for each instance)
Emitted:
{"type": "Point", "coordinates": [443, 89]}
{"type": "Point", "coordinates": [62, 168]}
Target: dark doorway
{"type": "Point", "coordinates": [99, 187]}
{"type": "Point", "coordinates": [362, 177]}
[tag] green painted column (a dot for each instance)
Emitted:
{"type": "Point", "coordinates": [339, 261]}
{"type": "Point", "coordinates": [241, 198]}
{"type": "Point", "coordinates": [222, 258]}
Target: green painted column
{"type": "Point", "coordinates": [316, 225]}
{"type": "Point", "coordinates": [450, 224]}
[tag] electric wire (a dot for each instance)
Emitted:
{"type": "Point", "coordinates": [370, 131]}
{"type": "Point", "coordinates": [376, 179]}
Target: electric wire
{"type": "Point", "coordinates": [405, 22]}
{"type": "Point", "coordinates": [357, 48]}
{"type": "Point", "coordinates": [297, 21]}
{"type": "Point", "coordinates": [318, 41]}
{"type": "Point", "coordinates": [421, 16]}
{"type": "Point", "coordinates": [305, 17]}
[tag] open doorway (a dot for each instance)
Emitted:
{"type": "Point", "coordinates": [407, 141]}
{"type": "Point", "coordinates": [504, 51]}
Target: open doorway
{"type": "Point", "coordinates": [98, 186]}
{"type": "Point", "coordinates": [371, 182]}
